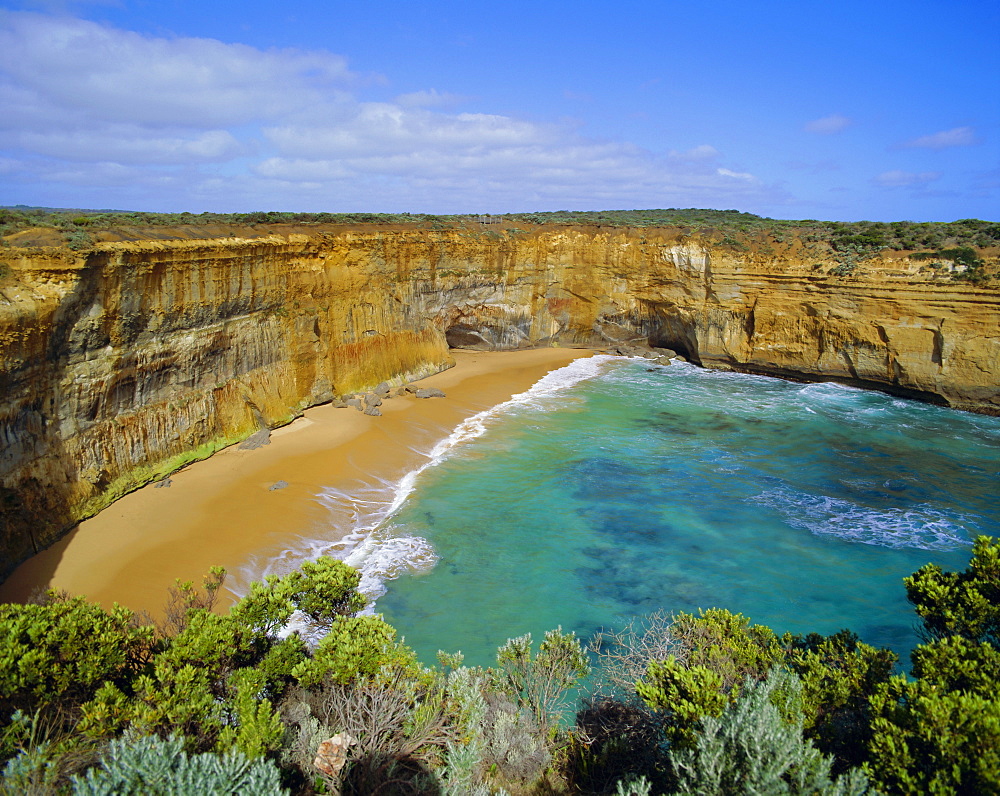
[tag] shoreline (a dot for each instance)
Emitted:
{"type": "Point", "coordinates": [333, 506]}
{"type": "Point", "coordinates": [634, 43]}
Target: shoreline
{"type": "Point", "coordinates": [223, 511]}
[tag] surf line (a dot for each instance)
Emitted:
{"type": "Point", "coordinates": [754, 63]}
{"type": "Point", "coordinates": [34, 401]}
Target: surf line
{"type": "Point", "coordinates": [381, 551]}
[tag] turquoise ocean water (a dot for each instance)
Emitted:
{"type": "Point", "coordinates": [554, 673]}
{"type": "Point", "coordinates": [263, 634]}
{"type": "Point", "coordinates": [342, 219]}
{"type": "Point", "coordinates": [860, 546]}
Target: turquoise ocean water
{"type": "Point", "coordinates": [615, 488]}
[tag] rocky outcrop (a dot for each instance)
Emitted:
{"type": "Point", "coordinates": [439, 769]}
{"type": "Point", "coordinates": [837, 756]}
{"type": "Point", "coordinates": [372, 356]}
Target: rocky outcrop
{"type": "Point", "coordinates": [122, 363]}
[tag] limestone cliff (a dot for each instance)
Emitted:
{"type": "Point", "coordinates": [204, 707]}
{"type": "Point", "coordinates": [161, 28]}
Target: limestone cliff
{"type": "Point", "coordinates": [121, 363]}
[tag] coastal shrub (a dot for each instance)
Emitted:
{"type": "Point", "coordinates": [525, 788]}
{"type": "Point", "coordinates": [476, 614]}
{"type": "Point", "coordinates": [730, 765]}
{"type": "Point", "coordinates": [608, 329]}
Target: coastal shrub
{"type": "Point", "coordinates": [185, 597]}
{"type": "Point", "coordinates": [727, 644]}
{"type": "Point", "coordinates": [973, 266]}
{"type": "Point", "coordinates": [961, 255]}
{"type": "Point", "coordinates": [56, 655]}
{"type": "Point", "coordinates": [685, 694]}
{"type": "Point", "coordinates": [77, 239]}
{"type": "Point", "coordinates": [516, 747]}
{"type": "Point", "coordinates": [683, 669]}
{"type": "Point", "coordinates": [617, 736]}
{"type": "Point", "coordinates": [356, 648]}
{"type": "Point", "coordinates": [700, 677]}
{"type": "Point", "coordinates": [216, 680]}
{"type": "Point", "coordinates": [427, 729]}
{"type": "Point", "coordinates": [634, 787]}
{"type": "Point", "coordinates": [149, 765]}
{"type": "Point", "coordinates": [202, 685]}
{"type": "Point", "coordinates": [434, 731]}
{"type": "Point", "coordinates": [930, 740]}
{"type": "Point", "coordinates": [839, 675]}
{"type": "Point", "coordinates": [756, 746]}
{"type": "Point", "coordinates": [845, 266]}
{"type": "Point", "coordinates": [966, 603]}
{"type": "Point", "coordinates": [322, 589]}
{"type": "Point", "coordinates": [958, 664]}
{"type": "Point", "coordinates": [41, 754]}
{"type": "Point", "coordinates": [540, 682]}
{"type": "Point", "coordinates": [746, 229]}
{"type": "Point", "coordinates": [463, 764]}
{"type": "Point", "coordinates": [396, 729]}
{"type": "Point", "coordinates": [623, 655]}
{"type": "Point", "coordinates": [695, 703]}
{"type": "Point", "coordinates": [615, 739]}
{"type": "Point", "coordinates": [525, 697]}
{"type": "Point", "coordinates": [941, 732]}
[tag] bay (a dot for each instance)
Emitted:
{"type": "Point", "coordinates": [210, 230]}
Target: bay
{"type": "Point", "coordinates": [616, 488]}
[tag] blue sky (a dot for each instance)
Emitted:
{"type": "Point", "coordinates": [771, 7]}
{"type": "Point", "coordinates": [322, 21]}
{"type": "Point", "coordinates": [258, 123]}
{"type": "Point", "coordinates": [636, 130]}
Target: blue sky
{"type": "Point", "coordinates": [835, 110]}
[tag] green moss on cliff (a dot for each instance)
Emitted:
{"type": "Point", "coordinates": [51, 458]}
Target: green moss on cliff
{"type": "Point", "coordinates": [140, 476]}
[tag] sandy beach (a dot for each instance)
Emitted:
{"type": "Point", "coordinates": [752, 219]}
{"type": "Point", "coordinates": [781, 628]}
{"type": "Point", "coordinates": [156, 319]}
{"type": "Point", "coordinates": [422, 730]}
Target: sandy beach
{"type": "Point", "coordinates": [223, 511]}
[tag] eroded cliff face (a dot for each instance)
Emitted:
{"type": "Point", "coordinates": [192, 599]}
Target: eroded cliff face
{"type": "Point", "coordinates": [120, 364]}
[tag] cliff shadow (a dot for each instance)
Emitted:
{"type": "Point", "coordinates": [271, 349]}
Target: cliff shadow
{"type": "Point", "coordinates": [40, 481]}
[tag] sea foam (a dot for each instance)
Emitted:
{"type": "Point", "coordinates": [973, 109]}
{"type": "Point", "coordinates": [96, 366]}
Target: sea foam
{"type": "Point", "coordinates": [919, 527]}
{"type": "Point", "coordinates": [380, 550]}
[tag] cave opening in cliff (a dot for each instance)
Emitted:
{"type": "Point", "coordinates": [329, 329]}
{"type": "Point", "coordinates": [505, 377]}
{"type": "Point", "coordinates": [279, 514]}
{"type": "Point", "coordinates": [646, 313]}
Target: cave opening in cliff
{"type": "Point", "coordinates": [667, 328]}
{"type": "Point", "coordinates": [461, 335]}
{"type": "Point", "coordinates": [678, 344]}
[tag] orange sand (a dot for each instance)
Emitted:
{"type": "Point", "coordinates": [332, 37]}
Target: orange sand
{"type": "Point", "coordinates": [221, 511]}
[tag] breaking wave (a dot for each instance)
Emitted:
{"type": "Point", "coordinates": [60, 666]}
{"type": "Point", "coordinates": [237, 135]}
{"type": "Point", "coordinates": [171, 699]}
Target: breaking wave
{"type": "Point", "coordinates": [379, 550]}
{"type": "Point", "coordinates": [919, 527]}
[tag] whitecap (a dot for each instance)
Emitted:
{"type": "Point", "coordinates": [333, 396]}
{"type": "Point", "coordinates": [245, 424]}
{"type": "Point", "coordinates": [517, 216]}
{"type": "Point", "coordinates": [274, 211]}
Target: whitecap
{"type": "Point", "coordinates": [920, 527]}
{"type": "Point", "coordinates": [830, 390]}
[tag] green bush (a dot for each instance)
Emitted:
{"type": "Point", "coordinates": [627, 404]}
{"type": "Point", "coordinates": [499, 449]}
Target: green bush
{"type": "Point", "coordinates": [58, 654]}
{"type": "Point", "coordinates": [356, 648]}
{"type": "Point", "coordinates": [685, 694]}
{"type": "Point", "coordinates": [727, 644]}
{"type": "Point", "coordinates": [965, 604]}
{"type": "Point", "coordinates": [941, 732]}
{"type": "Point", "coordinates": [930, 740]}
{"type": "Point", "coordinates": [540, 683]}
{"type": "Point", "coordinates": [708, 703]}
{"type": "Point", "coordinates": [839, 676]}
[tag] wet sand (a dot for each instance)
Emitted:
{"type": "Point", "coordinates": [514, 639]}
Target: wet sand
{"type": "Point", "coordinates": [221, 511]}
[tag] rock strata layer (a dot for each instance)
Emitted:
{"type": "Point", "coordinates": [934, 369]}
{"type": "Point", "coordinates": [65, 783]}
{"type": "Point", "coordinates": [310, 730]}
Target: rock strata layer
{"type": "Point", "coordinates": [120, 364]}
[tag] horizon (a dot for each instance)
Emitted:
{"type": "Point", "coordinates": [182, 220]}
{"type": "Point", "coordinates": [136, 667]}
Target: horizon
{"type": "Point", "coordinates": [464, 108]}
{"type": "Point", "coordinates": [418, 217]}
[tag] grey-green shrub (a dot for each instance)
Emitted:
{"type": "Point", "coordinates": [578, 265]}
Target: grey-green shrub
{"type": "Point", "coordinates": [756, 746]}
{"type": "Point", "coordinates": [152, 766]}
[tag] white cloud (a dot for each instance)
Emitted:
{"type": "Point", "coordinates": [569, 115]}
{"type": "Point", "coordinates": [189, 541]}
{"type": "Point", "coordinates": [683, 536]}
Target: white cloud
{"type": "Point", "coordinates": [958, 136]}
{"type": "Point", "coordinates": [114, 75]}
{"type": "Point", "coordinates": [906, 179]}
{"type": "Point", "coordinates": [828, 125]}
{"type": "Point", "coordinates": [134, 119]}
{"type": "Point", "coordinates": [379, 128]}
{"type": "Point", "coordinates": [447, 152]}
{"type": "Point", "coordinates": [736, 175]}
{"type": "Point", "coordinates": [128, 144]}
{"type": "Point", "coordinates": [574, 175]}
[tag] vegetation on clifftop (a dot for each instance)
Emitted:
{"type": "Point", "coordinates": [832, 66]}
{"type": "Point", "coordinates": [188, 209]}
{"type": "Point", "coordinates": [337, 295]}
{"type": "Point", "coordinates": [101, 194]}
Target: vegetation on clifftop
{"type": "Point", "coordinates": [100, 702]}
{"type": "Point", "coordinates": [730, 227]}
